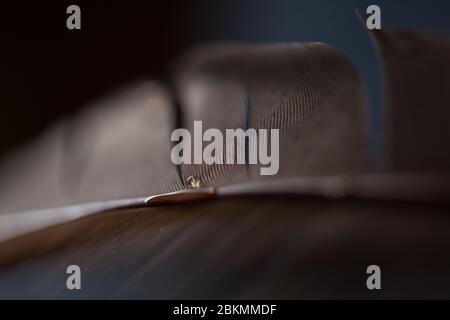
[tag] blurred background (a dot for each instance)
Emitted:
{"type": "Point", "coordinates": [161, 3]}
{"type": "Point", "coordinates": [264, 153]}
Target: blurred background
{"type": "Point", "coordinates": [48, 71]}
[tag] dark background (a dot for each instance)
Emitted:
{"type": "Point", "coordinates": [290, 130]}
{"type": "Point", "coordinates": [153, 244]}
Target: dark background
{"type": "Point", "coordinates": [48, 71]}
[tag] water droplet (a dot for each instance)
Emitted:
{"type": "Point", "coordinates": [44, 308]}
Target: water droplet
{"type": "Point", "coordinates": [193, 182]}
